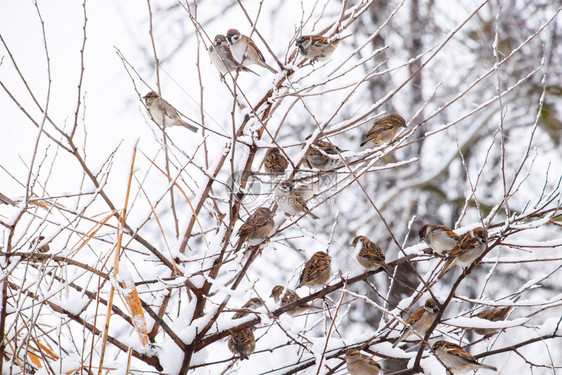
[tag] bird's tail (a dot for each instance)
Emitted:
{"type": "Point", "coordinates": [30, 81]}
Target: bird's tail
{"type": "Point", "coordinates": [340, 38]}
{"type": "Point", "coordinates": [488, 367]}
{"type": "Point", "coordinates": [399, 340]}
{"type": "Point", "coordinates": [186, 125]}
{"type": "Point", "coordinates": [313, 215]}
{"type": "Point", "coordinates": [389, 270]}
{"type": "Point", "coordinates": [448, 265]}
{"type": "Point", "coordinates": [238, 245]}
{"type": "Point", "coordinates": [190, 127]}
{"type": "Point", "coordinates": [246, 69]}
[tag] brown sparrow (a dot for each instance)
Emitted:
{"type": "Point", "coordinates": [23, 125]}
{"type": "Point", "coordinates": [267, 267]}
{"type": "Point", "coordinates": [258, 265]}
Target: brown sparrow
{"type": "Point", "coordinates": [384, 130]}
{"type": "Point", "coordinates": [243, 342]}
{"type": "Point", "coordinates": [468, 249]}
{"type": "Point", "coordinates": [245, 50]}
{"type": "Point", "coordinates": [360, 364]}
{"type": "Point", "coordinates": [290, 200]}
{"type": "Point", "coordinates": [252, 304]}
{"type": "Point", "coordinates": [322, 155]}
{"type": "Point", "coordinates": [222, 59]}
{"type": "Point", "coordinates": [317, 47]}
{"type": "Point", "coordinates": [370, 256]}
{"type": "Point", "coordinates": [317, 270]}
{"type": "Point", "coordinates": [37, 241]}
{"type": "Point", "coordinates": [257, 228]}
{"type": "Point", "coordinates": [163, 113]}
{"type": "Point", "coordinates": [420, 320]}
{"type": "Point", "coordinates": [274, 162]}
{"type": "Point", "coordinates": [456, 359]}
{"type": "Point", "coordinates": [284, 296]}
{"type": "Point", "coordinates": [493, 315]}
{"type": "Point", "coordinates": [440, 238]}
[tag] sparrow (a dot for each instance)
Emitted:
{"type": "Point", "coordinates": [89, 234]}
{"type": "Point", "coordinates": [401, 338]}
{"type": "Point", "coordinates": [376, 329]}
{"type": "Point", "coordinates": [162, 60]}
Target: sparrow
{"type": "Point", "coordinates": [243, 342]}
{"type": "Point", "coordinates": [370, 255]}
{"type": "Point", "coordinates": [419, 321]}
{"type": "Point", "coordinates": [257, 228]}
{"type": "Point", "coordinates": [384, 130]}
{"type": "Point", "coordinates": [290, 200]}
{"type": "Point", "coordinates": [163, 113]}
{"type": "Point", "coordinates": [471, 246]}
{"type": "Point", "coordinates": [274, 162]}
{"type": "Point", "coordinates": [493, 315]}
{"type": "Point", "coordinates": [222, 59]}
{"type": "Point", "coordinates": [309, 185]}
{"type": "Point", "coordinates": [283, 296]}
{"type": "Point", "coordinates": [456, 359]}
{"type": "Point", "coordinates": [322, 155]}
{"type": "Point", "coordinates": [252, 304]}
{"type": "Point", "coordinates": [317, 270]}
{"type": "Point", "coordinates": [37, 241]}
{"type": "Point", "coordinates": [245, 50]}
{"type": "Point", "coordinates": [440, 238]}
{"type": "Point", "coordinates": [360, 364]}
{"type": "Point", "coordinates": [317, 47]}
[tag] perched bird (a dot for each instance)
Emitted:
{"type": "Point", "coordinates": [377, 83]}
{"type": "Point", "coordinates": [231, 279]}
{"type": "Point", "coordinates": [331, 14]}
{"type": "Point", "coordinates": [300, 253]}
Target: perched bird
{"type": "Point", "coordinates": [317, 47]}
{"type": "Point", "coordinates": [370, 255]}
{"type": "Point", "coordinates": [290, 200]}
{"type": "Point", "coordinates": [471, 246]}
{"type": "Point", "coordinates": [317, 270]}
{"type": "Point", "coordinates": [456, 359]}
{"type": "Point", "coordinates": [245, 50]}
{"type": "Point", "coordinates": [252, 304]}
{"type": "Point", "coordinates": [163, 113]}
{"type": "Point", "coordinates": [37, 241]}
{"type": "Point", "coordinates": [360, 364]}
{"type": "Point", "coordinates": [439, 237]}
{"type": "Point", "coordinates": [257, 228]}
{"type": "Point", "coordinates": [283, 296]}
{"type": "Point", "coordinates": [322, 155]}
{"type": "Point", "coordinates": [243, 342]}
{"type": "Point", "coordinates": [419, 321]}
{"type": "Point", "coordinates": [493, 315]}
{"type": "Point", "coordinates": [274, 162]}
{"type": "Point", "coordinates": [222, 59]}
{"type": "Point", "coordinates": [384, 130]}
{"type": "Point", "coordinates": [309, 185]}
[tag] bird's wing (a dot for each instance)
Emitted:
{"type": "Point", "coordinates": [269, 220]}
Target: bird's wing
{"type": "Point", "coordinates": [253, 46]}
{"type": "Point", "coordinates": [372, 251]}
{"type": "Point", "coordinates": [466, 243]}
{"type": "Point", "coordinates": [415, 316]}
